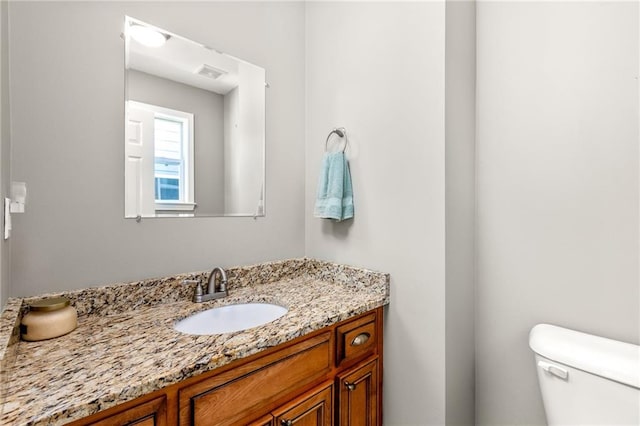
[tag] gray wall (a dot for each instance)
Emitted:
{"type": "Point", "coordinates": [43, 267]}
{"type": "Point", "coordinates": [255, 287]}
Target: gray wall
{"type": "Point", "coordinates": [460, 112]}
{"type": "Point", "coordinates": [5, 149]}
{"type": "Point", "coordinates": [378, 70]}
{"type": "Point", "coordinates": [557, 182]}
{"type": "Point", "coordinates": [208, 116]}
{"type": "Point", "coordinates": [67, 82]}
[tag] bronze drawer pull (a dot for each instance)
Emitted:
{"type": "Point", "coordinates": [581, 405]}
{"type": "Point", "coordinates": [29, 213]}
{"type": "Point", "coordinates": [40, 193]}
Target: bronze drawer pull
{"type": "Point", "coordinates": [284, 422]}
{"type": "Point", "coordinates": [350, 386]}
{"type": "Point", "coordinates": [360, 339]}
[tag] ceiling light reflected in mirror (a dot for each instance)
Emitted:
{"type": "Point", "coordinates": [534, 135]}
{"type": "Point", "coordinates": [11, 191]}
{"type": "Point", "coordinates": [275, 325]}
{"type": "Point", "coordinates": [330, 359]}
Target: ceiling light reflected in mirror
{"type": "Point", "coordinates": [147, 36]}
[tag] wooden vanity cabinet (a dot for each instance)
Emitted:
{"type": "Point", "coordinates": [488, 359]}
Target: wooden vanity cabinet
{"type": "Point", "coordinates": [329, 377]}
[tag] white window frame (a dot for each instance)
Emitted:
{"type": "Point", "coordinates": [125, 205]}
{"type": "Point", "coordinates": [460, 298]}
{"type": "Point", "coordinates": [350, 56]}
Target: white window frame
{"type": "Point", "coordinates": [187, 192]}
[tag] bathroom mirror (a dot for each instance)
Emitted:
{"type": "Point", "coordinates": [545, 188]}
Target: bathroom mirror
{"type": "Point", "coordinates": [194, 128]}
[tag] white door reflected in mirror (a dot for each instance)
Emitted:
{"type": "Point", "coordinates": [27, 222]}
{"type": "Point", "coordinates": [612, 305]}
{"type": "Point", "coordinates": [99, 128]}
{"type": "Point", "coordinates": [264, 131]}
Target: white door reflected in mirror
{"type": "Point", "coordinates": [194, 129]}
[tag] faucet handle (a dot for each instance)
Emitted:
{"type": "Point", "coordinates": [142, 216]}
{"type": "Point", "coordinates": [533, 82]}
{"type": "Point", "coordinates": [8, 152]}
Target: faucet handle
{"type": "Point", "coordinates": [198, 292]}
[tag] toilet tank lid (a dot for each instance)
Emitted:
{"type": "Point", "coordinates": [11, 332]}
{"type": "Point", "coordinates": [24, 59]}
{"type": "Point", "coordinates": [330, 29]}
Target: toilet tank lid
{"type": "Point", "coordinates": [604, 357]}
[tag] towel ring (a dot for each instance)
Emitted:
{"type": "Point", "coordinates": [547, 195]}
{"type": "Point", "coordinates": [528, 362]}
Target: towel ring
{"type": "Point", "coordinates": [341, 132]}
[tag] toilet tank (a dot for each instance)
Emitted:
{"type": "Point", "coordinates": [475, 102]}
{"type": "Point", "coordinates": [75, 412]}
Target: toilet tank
{"type": "Point", "coordinates": [586, 379]}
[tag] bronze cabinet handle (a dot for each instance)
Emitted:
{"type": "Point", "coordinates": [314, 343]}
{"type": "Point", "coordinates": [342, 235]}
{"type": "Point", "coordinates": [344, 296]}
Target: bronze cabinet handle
{"type": "Point", "coordinates": [350, 386]}
{"type": "Point", "coordinates": [284, 422]}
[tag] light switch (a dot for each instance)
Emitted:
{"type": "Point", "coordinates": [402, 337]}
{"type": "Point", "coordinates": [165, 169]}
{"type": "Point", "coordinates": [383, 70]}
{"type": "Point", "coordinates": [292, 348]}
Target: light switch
{"type": "Point", "coordinates": [18, 197]}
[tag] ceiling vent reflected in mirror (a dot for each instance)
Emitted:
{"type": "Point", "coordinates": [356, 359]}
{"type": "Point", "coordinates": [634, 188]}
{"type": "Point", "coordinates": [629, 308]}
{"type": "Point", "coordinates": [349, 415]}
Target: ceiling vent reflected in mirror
{"type": "Point", "coordinates": [209, 71]}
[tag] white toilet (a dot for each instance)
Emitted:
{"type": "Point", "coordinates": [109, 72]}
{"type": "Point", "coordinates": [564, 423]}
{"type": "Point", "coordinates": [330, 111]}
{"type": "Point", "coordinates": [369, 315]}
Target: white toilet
{"type": "Point", "coordinates": [585, 379]}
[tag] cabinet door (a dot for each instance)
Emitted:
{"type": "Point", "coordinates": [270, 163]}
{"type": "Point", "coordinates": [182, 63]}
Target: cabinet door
{"type": "Point", "coordinates": [152, 413]}
{"type": "Point", "coordinates": [358, 396]}
{"type": "Point", "coordinates": [263, 421]}
{"type": "Point", "coordinates": [310, 409]}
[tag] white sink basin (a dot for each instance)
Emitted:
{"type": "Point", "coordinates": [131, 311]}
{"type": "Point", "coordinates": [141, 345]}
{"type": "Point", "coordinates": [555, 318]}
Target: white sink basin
{"type": "Point", "coordinates": [227, 319]}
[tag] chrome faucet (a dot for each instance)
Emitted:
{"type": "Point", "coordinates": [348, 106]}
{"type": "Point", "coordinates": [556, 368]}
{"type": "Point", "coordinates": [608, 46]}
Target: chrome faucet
{"type": "Point", "coordinates": [212, 293]}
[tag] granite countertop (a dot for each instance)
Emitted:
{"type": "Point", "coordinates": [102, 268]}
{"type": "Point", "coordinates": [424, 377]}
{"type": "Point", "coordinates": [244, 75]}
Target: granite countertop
{"type": "Point", "coordinates": [119, 353]}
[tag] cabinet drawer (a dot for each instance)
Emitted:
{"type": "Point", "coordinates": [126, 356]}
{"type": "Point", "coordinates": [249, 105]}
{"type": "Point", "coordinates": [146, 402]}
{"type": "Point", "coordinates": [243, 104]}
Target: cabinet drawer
{"type": "Point", "coordinates": [356, 339]}
{"type": "Point", "coordinates": [233, 395]}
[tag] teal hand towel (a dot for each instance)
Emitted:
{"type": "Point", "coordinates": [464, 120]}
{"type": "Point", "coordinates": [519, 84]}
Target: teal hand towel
{"type": "Point", "coordinates": [334, 197]}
